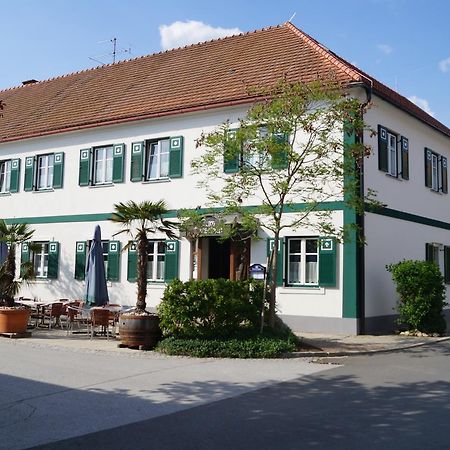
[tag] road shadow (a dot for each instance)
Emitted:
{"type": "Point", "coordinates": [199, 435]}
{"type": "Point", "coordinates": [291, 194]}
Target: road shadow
{"type": "Point", "coordinates": [330, 410]}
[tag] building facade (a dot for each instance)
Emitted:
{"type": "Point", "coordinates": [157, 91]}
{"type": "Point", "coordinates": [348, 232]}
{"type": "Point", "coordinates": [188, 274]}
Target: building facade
{"type": "Point", "coordinates": [73, 146]}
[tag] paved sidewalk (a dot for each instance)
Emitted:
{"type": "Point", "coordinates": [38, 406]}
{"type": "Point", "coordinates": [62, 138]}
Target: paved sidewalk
{"type": "Point", "coordinates": [314, 344]}
{"type": "Point", "coordinates": [346, 345]}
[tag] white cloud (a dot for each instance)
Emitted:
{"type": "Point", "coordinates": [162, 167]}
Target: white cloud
{"type": "Point", "coordinates": [385, 48]}
{"type": "Point", "coordinates": [421, 103]}
{"type": "Point", "coordinates": [180, 33]}
{"type": "Point", "coordinates": [444, 65]}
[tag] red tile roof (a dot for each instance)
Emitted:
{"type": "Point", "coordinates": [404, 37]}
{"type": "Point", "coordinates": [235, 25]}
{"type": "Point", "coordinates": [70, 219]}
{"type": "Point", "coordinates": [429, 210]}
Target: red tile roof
{"type": "Point", "coordinates": [205, 75]}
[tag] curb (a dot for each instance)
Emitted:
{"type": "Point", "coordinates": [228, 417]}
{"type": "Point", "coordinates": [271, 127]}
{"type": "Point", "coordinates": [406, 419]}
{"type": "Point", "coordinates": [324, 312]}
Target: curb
{"type": "Point", "coordinates": [338, 353]}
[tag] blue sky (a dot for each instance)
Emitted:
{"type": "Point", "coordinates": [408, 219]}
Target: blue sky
{"type": "Point", "coordinates": [403, 43]}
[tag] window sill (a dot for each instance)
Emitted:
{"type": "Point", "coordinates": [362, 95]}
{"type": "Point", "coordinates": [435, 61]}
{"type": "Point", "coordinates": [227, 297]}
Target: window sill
{"type": "Point", "coordinates": [5, 194]}
{"type": "Point", "coordinates": [294, 290]}
{"type": "Point", "coordinates": [101, 185]}
{"type": "Point", "coordinates": [398, 177]}
{"type": "Point", "coordinates": [439, 192]}
{"type": "Point", "coordinates": [40, 281]}
{"type": "Point", "coordinates": [42, 191]}
{"type": "Point", "coordinates": [158, 180]}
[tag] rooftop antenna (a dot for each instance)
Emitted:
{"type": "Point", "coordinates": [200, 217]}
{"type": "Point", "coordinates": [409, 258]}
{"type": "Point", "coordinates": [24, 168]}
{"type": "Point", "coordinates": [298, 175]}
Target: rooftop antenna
{"type": "Point", "coordinates": [293, 15]}
{"type": "Point", "coordinates": [114, 53]}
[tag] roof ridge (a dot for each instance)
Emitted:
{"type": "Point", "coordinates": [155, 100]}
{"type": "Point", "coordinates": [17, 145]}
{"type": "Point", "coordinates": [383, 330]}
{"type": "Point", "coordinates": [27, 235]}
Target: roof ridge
{"type": "Point", "coordinates": [326, 53]}
{"type": "Point", "coordinates": [123, 61]}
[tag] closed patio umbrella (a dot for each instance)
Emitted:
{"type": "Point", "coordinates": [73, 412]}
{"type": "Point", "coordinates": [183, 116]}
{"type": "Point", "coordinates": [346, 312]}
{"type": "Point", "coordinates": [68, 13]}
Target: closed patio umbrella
{"type": "Point", "coordinates": [3, 252]}
{"type": "Point", "coordinates": [96, 290]}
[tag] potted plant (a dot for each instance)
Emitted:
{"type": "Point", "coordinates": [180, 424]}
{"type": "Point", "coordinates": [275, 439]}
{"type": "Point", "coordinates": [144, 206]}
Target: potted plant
{"type": "Point", "coordinates": [140, 328]}
{"type": "Point", "coordinates": [13, 318]}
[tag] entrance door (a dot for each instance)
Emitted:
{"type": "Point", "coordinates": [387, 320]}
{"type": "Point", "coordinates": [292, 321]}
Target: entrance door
{"type": "Point", "coordinates": [219, 258]}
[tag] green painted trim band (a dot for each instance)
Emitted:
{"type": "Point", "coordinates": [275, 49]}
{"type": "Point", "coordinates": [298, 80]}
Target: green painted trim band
{"type": "Point", "coordinates": [395, 214]}
{"type": "Point", "coordinates": [350, 247]}
{"type": "Point", "coordinates": [295, 207]}
{"type": "Point", "coordinates": [61, 219]}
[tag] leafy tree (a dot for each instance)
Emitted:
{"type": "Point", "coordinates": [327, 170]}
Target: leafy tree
{"type": "Point", "coordinates": [13, 234]}
{"type": "Point", "coordinates": [140, 220]}
{"type": "Point", "coordinates": [288, 149]}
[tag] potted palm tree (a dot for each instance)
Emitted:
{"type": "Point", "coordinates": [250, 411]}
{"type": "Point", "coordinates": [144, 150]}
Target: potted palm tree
{"type": "Point", "coordinates": [140, 328]}
{"type": "Point", "coordinates": [13, 318]}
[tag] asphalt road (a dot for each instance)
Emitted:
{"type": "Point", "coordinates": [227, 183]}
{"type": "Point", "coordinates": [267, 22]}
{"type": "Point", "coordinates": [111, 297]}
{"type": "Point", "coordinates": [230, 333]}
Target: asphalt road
{"type": "Point", "coordinates": [384, 401]}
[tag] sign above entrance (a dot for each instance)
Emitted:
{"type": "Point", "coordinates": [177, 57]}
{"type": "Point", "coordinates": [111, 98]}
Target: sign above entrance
{"type": "Point", "coordinates": [257, 271]}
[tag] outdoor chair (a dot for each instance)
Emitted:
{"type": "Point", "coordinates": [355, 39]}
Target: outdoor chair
{"type": "Point", "coordinates": [52, 313]}
{"type": "Point", "coordinates": [100, 319]}
{"type": "Point", "coordinates": [76, 317]}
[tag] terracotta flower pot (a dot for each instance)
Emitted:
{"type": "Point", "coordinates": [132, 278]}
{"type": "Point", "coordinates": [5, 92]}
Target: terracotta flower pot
{"type": "Point", "coordinates": [14, 320]}
{"type": "Point", "coordinates": [140, 331]}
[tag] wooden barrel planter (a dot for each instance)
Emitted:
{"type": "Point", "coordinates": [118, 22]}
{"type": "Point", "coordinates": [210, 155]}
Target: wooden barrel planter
{"type": "Point", "coordinates": [14, 320]}
{"type": "Point", "coordinates": [141, 332]}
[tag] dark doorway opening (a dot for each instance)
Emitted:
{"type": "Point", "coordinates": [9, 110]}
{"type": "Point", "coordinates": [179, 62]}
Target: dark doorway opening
{"type": "Point", "coordinates": [219, 258]}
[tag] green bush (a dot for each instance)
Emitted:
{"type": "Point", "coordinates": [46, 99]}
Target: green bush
{"type": "Point", "coordinates": [210, 308]}
{"type": "Point", "coordinates": [253, 347]}
{"type": "Point", "coordinates": [421, 289]}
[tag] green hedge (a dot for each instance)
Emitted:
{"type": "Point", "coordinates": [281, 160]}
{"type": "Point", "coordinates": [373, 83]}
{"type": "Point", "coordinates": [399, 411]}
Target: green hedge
{"type": "Point", "coordinates": [254, 347]}
{"type": "Point", "coordinates": [210, 308]}
{"type": "Point", "coordinates": [421, 289]}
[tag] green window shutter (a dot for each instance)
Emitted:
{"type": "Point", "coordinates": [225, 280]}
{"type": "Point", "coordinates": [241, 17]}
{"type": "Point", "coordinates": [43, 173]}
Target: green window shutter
{"type": "Point", "coordinates": [327, 261]}
{"type": "Point", "coordinates": [24, 255]}
{"type": "Point", "coordinates": [58, 170]}
{"type": "Point", "coordinates": [132, 262]}
{"type": "Point", "coordinates": [84, 178]}
{"type": "Point", "coordinates": [444, 181]}
{"type": "Point", "coordinates": [405, 157]}
{"type": "Point", "coordinates": [232, 153]}
{"type": "Point", "coordinates": [15, 175]}
{"type": "Point", "coordinates": [447, 264]}
{"type": "Point", "coordinates": [176, 157]}
{"type": "Point", "coordinates": [428, 168]}
{"type": "Point", "coordinates": [429, 253]}
{"type": "Point", "coordinates": [113, 261]}
{"type": "Point", "coordinates": [280, 154]}
{"type": "Point", "coordinates": [382, 149]}
{"type": "Point", "coordinates": [118, 163]}
{"type": "Point", "coordinates": [53, 260]}
{"type": "Point", "coordinates": [280, 262]}
{"type": "Point", "coordinates": [171, 261]}
{"type": "Point", "coordinates": [30, 164]}
{"type": "Point", "coordinates": [80, 260]}
{"type": "Point", "coordinates": [137, 161]}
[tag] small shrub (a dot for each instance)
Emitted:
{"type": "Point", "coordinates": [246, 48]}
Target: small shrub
{"type": "Point", "coordinates": [253, 347]}
{"type": "Point", "coordinates": [210, 308]}
{"type": "Point", "coordinates": [421, 289]}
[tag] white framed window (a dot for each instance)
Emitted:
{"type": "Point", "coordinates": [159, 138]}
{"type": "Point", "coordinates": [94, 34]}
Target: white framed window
{"type": "Point", "coordinates": [157, 159]}
{"type": "Point", "coordinates": [392, 154]}
{"type": "Point", "coordinates": [156, 256]}
{"type": "Point", "coordinates": [5, 176]}
{"type": "Point", "coordinates": [103, 165]}
{"type": "Point", "coordinates": [40, 259]}
{"type": "Point", "coordinates": [303, 261]}
{"type": "Point", "coordinates": [434, 172]}
{"type": "Point", "coordinates": [44, 176]}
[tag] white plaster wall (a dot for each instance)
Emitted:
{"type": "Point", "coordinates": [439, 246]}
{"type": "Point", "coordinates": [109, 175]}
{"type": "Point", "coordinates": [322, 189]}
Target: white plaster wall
{"type": "Point", "coordinates": [73, 199]}
{"type": "Point", "coordinates": [178, 193]}
{"type": "Point", "coordinates": [406, 195]}
{"type": "Point", "coordinates": [306, 301]}
{"type": "Point", "coordinates": [391, 241]}
{"type": "Point", "coordinates": [321, 302]}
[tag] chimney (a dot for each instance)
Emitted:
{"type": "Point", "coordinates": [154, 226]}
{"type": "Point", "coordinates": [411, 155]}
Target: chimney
{"type": "Point", "coordinates": [32, 81]}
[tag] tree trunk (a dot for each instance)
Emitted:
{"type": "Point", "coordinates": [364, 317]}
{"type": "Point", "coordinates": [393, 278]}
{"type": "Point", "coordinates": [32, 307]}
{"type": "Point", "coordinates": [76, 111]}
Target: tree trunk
{"type": "Point", "coordinates": [142, 246]}
{"type": "Point", "coordinates": [273, 281]}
